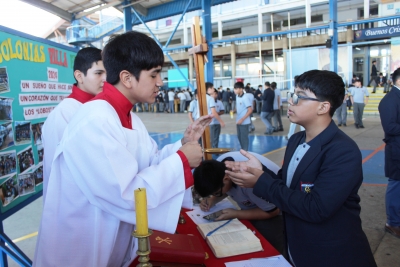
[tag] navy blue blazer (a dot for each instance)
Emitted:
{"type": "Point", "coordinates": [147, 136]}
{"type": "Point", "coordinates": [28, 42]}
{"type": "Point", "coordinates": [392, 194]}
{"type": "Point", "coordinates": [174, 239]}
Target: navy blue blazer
{"type": "Point", "coordinates": [321, 207]}
{"type": "Point", "coordinates": [389, 111]}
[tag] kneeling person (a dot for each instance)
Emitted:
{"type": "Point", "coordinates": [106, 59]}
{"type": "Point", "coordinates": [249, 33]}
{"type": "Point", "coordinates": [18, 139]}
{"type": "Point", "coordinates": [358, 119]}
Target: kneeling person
{"type": "Point", "coordinates": [211, 182]}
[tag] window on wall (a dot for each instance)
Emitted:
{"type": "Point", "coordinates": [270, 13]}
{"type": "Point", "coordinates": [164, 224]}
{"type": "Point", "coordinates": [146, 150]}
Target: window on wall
{"type": "Point", "coordinates": [302, 20]}
{"type": "Point", "coordinates": [241, 70]}
{"type": "Point", "coordinates": [373, 11]}
{"type": "Point", "coordinates": [228, 32]}
{"type": "Point", "coordinates": [217, 69]}
{"type": "Point", "coordinates": [173, 41]}
{"type": "Point", "coordinates": [227, 69]}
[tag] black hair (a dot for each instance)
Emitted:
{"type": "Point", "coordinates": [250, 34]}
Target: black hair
{"type": "Point", "coordinates": [273, 85]}
{"type": "Point", "coordinates": [209, 85]}
{"type": "Point", "coordinates": [85, 58]}
{"type": "Point", "coordinates": [326, 85]}
{"type": "Point", "coordinates": [373, 61]}
{"type": "Point", "coordinates": [396, 75]}
{"type": "Point", "coordinates": [208, 177]}
{"type": "Point", "coordinates": [238, 85]}
{"type": "Point", "coordinates": [131, 51]}
{"type": "Point", "coordinates": [267, 84]}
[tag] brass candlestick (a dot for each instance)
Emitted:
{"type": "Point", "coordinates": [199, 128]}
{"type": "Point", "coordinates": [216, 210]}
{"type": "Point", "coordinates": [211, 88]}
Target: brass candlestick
{"type": "Point", "coordinates": [143, 249]}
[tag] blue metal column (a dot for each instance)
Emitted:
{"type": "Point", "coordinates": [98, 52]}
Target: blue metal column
{"type": "Point", "coordinates": [127, 16]}
{"type": "Point", "coordinates": [207, 32]}
{"type": "Point", "coordinates": [333, 28]}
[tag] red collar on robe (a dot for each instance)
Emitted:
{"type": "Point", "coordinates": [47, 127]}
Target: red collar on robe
{"type": "Point", "coordinates": [80, 95]}
{"type": "Point", "coordinates": [123, 108]}
{"type": "Point", "coordinates": [119, 102]}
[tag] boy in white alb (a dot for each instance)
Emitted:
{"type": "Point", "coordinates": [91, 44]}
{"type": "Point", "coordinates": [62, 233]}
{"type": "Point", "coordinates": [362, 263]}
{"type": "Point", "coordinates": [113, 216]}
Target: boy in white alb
{"type": "Point", "coordinates": [104, 155]}
{"type": "Point", "coordinates": [90, 75]}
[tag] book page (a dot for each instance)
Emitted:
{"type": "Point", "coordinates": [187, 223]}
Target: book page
{"type": "Point", "coordinates": [235, 243]}
{"type": "Point", "coordinates": [233, 226]}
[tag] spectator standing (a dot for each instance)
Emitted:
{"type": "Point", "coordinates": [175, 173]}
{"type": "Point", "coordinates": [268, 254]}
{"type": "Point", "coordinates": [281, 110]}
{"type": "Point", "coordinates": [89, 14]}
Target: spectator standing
{"type": "Point", "coordinates": [182, 101]}
{"type": "Point", "coordinates": [277, 108]}
{"type": "Point", "coordinates": [171, 98]}
{"type": "Point", "coordinates": [267, 110]}
{"type": "Point", "coordinates": [374, 76]}
{"type": "Point", "coordinates": [243, 111]}
{"type": "Point", "coordinates": [257, 98]}
{"type": "Point", "coordinates": [357, 94]}
{"type": "Point", "coordinates": [341, 111]}
{"type": "Point", "coordinates": [226, 95]}
{"type": "Point", "coordinates": [215, 125]}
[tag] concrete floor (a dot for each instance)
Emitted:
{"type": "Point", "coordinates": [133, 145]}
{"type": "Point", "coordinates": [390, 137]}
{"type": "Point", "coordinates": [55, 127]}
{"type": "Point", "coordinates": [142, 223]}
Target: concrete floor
{"type": "Point", "coordinates": [22, 226]}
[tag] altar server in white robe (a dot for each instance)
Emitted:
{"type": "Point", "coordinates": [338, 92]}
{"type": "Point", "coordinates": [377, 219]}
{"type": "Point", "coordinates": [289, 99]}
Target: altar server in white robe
{"type": "Point", "coordinates": [90, 76]}
{"type": "Point", "coordinates": [104, 155]}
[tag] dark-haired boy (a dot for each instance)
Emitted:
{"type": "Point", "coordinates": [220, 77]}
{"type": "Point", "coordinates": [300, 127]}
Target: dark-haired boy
{"type": "Point", "coordinates": [211, 182]}
{"type": "Point", "coordinates": [316, 189]}
{"type": "Point", "coordinates": [90, 75]}
{"type": "Point", "coordinates": [105, 154]}
{"type": "Point", "coordinates": [243, 110]}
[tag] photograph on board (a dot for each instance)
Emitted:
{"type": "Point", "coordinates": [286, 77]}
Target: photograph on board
{"type": "Point", "coordinates": [4, 84]}
{"type": "Point", "coordinates": [6, 113]}
{"type": "Point", "coordinates": [9, 190]}
{"type": "Point", "coordinates": [6, 135]}
{"type": "Point", "coordinates": [8, 163]}
{"type": "Point", "coordinates": [26, 184]}
{"type": "Point", "coordinates": [22, 132]}
{"type": "Point", "coordinates": [38, 174]}
{"type": "Point", "coordinates": [37, 132]}
{"type": "Point", "coordinates": [40, 152]}
{"type": "Point", "coordinates": [25, 160]}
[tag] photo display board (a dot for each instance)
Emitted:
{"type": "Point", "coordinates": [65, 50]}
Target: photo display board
{"type": "Point", "coordinates": [35, 75]}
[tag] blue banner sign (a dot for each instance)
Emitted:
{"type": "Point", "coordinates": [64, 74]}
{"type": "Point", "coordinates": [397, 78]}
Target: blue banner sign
{"type": "Point", "coordinates": [375, 33]}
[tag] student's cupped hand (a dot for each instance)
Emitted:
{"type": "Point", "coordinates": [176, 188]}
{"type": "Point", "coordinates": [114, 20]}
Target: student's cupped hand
{"type": "Point", "coordinates": [245, 176]}
{"type": "Point", "coordinates": [251, 162]}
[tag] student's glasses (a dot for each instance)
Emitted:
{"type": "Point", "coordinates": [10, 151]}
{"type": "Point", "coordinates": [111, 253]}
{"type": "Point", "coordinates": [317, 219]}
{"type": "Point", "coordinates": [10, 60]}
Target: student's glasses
{"type": "Point", "coordinates": [295, 98]}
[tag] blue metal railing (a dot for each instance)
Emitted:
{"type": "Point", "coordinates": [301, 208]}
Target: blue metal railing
{"type": "Point", "coordinates": [91, 33]}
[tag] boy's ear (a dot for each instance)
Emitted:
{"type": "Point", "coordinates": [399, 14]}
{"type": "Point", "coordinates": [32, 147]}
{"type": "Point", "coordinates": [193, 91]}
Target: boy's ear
{"type": "Point", "coordinates": [324, 108]}
{"type": "Point", "coordinates": [126, 78]}
{"type": "Point", "coordinates": [78, 76]}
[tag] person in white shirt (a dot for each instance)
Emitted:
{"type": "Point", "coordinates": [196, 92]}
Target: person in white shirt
{"type": "Point", "coordinates": [215, 126]}
{"type": "Point", "coordinates": [188, 98]}
{"type": "Point", "coordinates": [105, 154]}
{"type": "Point", "coordinates": [277, 108]}
{"type": "Point", "coordinates": [90, 75]}
{"type": "Point", "coordinates": [171, 98]}
{"type": "Point", "coordinates": [182, 99]}
{"type": "Point", "coordinates": [359, 102]}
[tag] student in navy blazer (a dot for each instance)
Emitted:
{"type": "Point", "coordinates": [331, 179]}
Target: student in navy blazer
{"type": "Point", "coordinates": [316, 189]}
{"type": "Point", "coordinates": [389, 110]}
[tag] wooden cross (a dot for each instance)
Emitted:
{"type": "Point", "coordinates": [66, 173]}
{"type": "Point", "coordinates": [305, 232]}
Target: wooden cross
{"type": "Point", "coordinates": [199, 51]}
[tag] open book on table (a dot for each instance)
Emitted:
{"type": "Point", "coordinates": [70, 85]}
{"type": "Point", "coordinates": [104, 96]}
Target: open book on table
{"type": "Point", "coordinates": [232, 238]}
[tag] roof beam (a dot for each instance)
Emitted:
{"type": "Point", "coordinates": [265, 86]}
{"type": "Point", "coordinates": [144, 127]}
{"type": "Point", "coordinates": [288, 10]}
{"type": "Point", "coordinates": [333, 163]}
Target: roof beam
{"type": "Point", "coordinates": [84, 14]}
{"type": "Point", "coordinates": [172, 8]}
{"type": "Point", "coordinates": [50, 8]}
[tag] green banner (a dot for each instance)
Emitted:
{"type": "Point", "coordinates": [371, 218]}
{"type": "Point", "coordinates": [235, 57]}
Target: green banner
{"type": "Point", "coordinates": [35, 75]}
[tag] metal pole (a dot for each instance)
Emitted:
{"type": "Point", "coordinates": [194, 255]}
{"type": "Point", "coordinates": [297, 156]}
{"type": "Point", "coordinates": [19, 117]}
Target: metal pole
{"type": "Point", "coordinates": [273, 45]}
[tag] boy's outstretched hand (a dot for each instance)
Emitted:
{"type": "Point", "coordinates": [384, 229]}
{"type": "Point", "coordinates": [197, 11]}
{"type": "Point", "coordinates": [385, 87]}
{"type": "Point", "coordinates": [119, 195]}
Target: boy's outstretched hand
{"type": "Point", "coordinates": [252, 162]}
{"type": "Point", "coordinates": [196, 129]}
{"type": "Point", "coordinates": [244, 173]}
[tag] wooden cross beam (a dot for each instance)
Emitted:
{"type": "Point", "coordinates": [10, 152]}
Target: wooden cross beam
{"type": "Point", "coordinates": [199, 50]}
